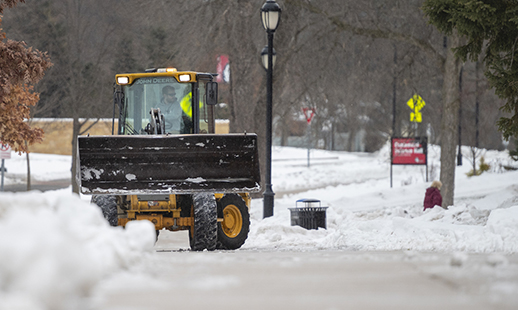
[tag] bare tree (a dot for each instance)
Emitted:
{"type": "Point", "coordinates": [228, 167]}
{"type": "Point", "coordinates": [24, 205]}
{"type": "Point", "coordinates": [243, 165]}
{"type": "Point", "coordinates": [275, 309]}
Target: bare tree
{"type": "Point", "coordinates": [351, 60]}
{"type": "Point", "coordinates": [450, 67]}
{"type": "Point", "coordinates": [79, 41]}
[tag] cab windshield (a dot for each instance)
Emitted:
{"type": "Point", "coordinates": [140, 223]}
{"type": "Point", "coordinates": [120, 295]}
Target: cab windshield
{"type": "Point", "coordinates": [172, 98]}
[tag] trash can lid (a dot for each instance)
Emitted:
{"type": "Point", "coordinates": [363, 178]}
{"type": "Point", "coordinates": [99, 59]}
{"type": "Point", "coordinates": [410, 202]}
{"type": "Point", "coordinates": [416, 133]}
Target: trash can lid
{"type": "Point", "coordinates": [309, 200]}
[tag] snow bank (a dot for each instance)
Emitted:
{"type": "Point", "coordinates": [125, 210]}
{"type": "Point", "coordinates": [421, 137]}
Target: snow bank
{"type": "Point", "coordinates": [365, 213]}
{"type": "Point", "coordinates": [459, 228]}
{"type": "Point", "coordinates": [54, 249]}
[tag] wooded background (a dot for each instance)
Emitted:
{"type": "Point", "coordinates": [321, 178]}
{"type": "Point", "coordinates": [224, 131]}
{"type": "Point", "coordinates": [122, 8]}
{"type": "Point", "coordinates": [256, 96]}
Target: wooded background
{"type": "Point", "coordinates": [350, 60]}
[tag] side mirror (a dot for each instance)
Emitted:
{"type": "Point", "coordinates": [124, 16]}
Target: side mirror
{"type": "Point", "coordinates": [211, 93]}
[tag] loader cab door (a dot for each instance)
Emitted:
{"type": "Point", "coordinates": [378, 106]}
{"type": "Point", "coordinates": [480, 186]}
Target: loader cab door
{"type": "Point", "coordinates": [206, 105]}
{"type": "Point", "coordinates": [174, 100]}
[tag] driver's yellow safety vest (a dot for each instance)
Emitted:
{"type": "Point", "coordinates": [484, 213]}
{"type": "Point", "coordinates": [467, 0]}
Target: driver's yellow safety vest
{"type": "Point", "coordinates": [185, 103]}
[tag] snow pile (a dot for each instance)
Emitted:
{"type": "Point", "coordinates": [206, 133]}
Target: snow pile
{"type": "Point", "coordinates": [55, 248]}
{"type": "Point", "coordinates": [460, 228]}
{"type": "Point", "coordinates": [365, 213]}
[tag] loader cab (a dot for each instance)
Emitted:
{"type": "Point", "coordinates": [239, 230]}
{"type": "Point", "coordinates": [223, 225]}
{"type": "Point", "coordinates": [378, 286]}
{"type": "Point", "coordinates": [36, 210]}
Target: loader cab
{"type": "Point", "coordinates": [185, 99]}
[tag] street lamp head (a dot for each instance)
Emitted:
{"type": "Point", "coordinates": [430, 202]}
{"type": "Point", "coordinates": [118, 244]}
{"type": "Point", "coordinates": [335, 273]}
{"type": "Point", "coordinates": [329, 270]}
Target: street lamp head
{"type": "Point", "coordinates": [270, 15]}
{"type": "Point", "coordinates": [264, 57]}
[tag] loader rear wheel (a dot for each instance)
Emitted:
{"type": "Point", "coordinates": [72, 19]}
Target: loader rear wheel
{"type": "Point", "coordinates": [233, 231]}
{"type": "Point", "coordinates": [108, 205]}
{"type": "Point", "coordinates": [203, 234]}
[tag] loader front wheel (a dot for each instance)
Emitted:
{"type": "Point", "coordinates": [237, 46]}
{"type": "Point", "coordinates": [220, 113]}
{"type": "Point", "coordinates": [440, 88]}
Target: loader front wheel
{"type": "Point", "coordinates": [108, 205]}
{"type": "Point", "coordinates": [233, 231]}
{"type": "Point", "coordinates": [203, 234]}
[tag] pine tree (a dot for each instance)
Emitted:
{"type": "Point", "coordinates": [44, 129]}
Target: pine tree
{"type": "Point", "coordinates": [491, 30]}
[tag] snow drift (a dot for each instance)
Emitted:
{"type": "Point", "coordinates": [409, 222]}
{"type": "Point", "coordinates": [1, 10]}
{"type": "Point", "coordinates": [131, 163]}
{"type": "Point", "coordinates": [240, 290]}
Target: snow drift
{"type": "Point", "coordinates": [55, 248]}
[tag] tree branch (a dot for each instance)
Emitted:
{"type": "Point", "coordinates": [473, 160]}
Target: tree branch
{"type": "Point", "coordinates": [341, 25]}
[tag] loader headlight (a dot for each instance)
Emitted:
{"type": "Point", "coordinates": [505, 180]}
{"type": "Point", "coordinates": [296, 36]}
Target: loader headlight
{"type": "Point", "coordinates": [184, 77]}
{"type": "Point", "coordinates": [122, 80]}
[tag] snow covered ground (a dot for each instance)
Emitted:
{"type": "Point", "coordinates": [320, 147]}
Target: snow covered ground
{"type": "Point", "coordinates": [365, 213]}
{"type": "Point", "coordinates": [55, 248]}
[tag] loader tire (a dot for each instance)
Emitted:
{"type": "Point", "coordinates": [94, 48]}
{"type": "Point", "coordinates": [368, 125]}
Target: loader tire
{"type": "Point", "coordinates": [203, 234]}
{"type": "Point", "coordinates": [108, 205]}
{"type": "Point", "coordinates": [233, 231]}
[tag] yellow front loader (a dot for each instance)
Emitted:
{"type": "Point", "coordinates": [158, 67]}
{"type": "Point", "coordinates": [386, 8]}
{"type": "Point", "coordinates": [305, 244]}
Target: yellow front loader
{"type": "Point", "coordinates": [166, 164]}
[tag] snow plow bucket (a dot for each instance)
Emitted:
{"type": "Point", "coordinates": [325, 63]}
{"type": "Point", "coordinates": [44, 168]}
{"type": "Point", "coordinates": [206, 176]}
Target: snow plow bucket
{"type": "Point", "coordinates": [171, 164]}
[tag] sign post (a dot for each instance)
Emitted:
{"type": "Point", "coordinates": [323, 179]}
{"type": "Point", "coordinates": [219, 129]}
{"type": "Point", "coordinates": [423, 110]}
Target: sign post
{"type": "Point", "coordinates": [409, 151]}
{"type": "Point", "coordinates": [5, 153]}
{"type": "Point", "coordinates": [309, 113]}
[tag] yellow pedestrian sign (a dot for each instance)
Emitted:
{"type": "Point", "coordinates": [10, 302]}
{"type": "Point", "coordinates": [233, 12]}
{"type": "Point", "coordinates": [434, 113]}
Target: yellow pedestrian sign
{"type": "Point", "coordinates": [416, 117]}
{"type": "Point", "coordinates": [416, 103]}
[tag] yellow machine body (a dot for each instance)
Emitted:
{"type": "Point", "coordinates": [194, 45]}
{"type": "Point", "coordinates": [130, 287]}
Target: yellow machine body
{"type": "Point", "coordinates": [164, 214]}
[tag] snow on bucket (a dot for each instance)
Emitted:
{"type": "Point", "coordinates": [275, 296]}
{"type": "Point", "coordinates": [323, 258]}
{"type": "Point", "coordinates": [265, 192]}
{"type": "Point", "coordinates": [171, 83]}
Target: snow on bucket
{"type": "Point", "coordinates": [311, 216]}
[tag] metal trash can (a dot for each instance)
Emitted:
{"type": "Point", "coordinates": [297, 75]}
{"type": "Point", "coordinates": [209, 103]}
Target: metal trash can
{"type": "Point", "coordinates": [309, 216]}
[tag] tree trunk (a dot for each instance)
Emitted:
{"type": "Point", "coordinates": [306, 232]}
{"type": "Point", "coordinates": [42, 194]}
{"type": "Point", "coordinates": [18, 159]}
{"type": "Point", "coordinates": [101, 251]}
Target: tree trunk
{"type": "Point", "coordinates": [28, 168]}
{"type": "Point", "coordinates": [75, 132]}
{"type": "Point", "coordinates": [450, 121]}
{"type": "Point", "coordinates": [333, 137]}
{"type": "Point", "coordinates": [352, 140]}
{"type": "Point", "coordinates": [284, 126]}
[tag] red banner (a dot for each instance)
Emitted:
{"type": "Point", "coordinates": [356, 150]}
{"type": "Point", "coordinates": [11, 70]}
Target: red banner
{"type": "Point", "coordinates": [409, 151]}
{"type": "Point", "coordinates": [222, 69]}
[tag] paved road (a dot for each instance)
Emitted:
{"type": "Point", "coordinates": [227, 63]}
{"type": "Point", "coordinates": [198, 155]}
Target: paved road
{"type": "Point", "coordinates": [265, 279]}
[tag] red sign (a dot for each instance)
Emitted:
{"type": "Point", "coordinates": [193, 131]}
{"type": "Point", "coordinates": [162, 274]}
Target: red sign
{"type": "Point", "coordinates": [308, 113]}
{"type": "Point", "coordinates": [222, 69]}
{"type": "Point", "coordinates": [5, 151]}
{"type": "Point", "coordinates": [409, 151]}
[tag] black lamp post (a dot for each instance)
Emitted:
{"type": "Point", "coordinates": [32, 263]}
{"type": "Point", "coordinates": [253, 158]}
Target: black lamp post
{"type": "Point", "coordinates": [264, 57]}
{"type": "Point", "coordinates": [270, 16]}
